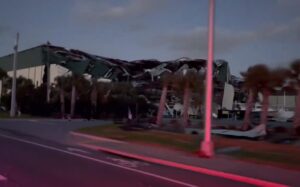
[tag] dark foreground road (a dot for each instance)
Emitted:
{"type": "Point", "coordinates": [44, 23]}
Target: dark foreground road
{"type": "Point", "coordinates": [30, 161]}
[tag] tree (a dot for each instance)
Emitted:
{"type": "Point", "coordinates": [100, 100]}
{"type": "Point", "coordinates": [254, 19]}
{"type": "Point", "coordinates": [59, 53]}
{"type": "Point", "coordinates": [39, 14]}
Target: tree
{"type": "Point", "coordinates": [261, 79]}
{"type": "Point", "coordinates": [3, 77]}
{"type": "Point", "coordinates": [3, 74]}
{"type": "Point", "coordinates": [61, 83]}
{"type": "Point", "coordinates": [24, 96]}
{"type": "Point", "coordinates": [166, 79]}
{"type": "Point", "coordinates": [80, 86]}
{"type": "Point", "coordinates": [121, 97]}
{"type": "Point", "coordinates": [250, 86]}
{"type": "Point", "coordinates": [295, 81]}
{"type": "Point", "coordinates": [188, 82]}
{"type": "Point", "coordinates": [39, 101]}
{"type": "Point", "coordinates": [261, 76]}
{"type": "Point", "coordinates": [94, 97]}
{"type": "Point", "coordinates": [271, 79]}
{"type": "Point", "coordinates": [73, 98]}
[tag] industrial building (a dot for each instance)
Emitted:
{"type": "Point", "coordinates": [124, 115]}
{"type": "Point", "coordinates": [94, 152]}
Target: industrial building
{"type": "Point", "coordinates": [49, 61]}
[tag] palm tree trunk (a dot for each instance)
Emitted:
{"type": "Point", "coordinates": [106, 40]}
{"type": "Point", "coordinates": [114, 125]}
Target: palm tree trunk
{"type": "Point", "coordinates": [265, 106]}
{"type": "Point", "coordinates": [250, 103]}
{"type": "Point", "coordinates": [161, 105]}
{"type": "Point", "coordinates": [73, 100]}
{"type": "Point", "coordinates": [94, 99]}
{"type": "Point", "coordinates": [297, 111]}
{"type": "Point", "coordinates": [62, 102]}
{"type": "Point", "coordinates": [186, 105]}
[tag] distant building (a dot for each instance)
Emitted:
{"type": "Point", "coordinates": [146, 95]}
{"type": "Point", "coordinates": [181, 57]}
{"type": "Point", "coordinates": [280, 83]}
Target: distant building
{"type": "Point", "coordinates": [283, 100]}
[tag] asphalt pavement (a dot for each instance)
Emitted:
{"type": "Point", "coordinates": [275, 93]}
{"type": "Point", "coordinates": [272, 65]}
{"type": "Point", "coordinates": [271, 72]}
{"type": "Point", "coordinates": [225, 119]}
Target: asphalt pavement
{"type": "Point", "coordinates": [34, 157]}
{"type": "Point", "coordinates": [50, 129]}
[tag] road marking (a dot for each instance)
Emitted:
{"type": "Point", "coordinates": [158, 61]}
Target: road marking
{"type": "Point", "coordinates": [128, 163]}
{"type": "Point", "coordinates": [96, 138]}
{"type": "Point", "coordinates": [77, 150]}
{"type": "Point", "coordinates": [99, 161]}
{"type": "Point", "coordinates": [2, 178]}
{"type": "Point", "coordinates": [122, 162]}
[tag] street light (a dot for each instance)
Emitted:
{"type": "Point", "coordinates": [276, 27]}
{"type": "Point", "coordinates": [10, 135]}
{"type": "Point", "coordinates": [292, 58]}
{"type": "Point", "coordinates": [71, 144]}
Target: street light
{"type": "Point", "coordinates": [207, 148]}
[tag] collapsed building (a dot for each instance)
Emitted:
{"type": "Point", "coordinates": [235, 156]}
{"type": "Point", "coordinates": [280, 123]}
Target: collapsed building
{"type": "Point", "coordinates": [49, 61]}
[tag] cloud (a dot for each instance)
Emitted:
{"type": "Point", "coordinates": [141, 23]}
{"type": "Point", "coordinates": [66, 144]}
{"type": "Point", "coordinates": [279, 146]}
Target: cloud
{"type": "Point", "coordinates": [289, 31]}
{"type": "Point", "coordinates": [193, 42]}
{"type": "Point", "coordinates": [288, 3]}
{"type": "Point", "coordinates": [94, 10]}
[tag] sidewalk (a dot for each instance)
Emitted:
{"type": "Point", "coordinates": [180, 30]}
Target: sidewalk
{"type": "Point", "coordinates": [219, 165]}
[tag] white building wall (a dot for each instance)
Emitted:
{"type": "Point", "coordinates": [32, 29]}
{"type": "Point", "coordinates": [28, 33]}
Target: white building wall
{"type": "Point", "coordinates": [36, 73]}
{"type": "Point", "coordinates": [278, 101]}
{"type": "Point", "coordinates": [57, 70]}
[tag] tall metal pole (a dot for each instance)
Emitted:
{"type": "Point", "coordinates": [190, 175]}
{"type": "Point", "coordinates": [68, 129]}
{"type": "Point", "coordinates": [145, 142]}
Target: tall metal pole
{"type": "Point", "coordinates": [207, 149]}
{"type": "Point", "coordinates": [48, 74]}
{"type": "Point", "coordinates": [14, 82]}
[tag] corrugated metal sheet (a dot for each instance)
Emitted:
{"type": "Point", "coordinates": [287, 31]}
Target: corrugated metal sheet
{"type": "Point", "coordinates": [40, 56]}
{"type": "Point", "coordinates": [27, 58]}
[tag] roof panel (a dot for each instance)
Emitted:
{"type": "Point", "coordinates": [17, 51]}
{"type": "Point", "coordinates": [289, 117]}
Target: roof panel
{"type": "Point", "coordinates": [27, 58]}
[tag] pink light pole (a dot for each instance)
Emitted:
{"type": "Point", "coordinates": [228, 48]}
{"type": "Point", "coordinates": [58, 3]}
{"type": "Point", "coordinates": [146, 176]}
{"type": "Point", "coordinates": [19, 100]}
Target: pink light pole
{"type": "Point", "coordinates": [207, 148]}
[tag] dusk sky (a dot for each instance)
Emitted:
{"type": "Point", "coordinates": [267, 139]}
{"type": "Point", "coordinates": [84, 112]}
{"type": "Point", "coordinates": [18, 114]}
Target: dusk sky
{"type": "Point", "coordinates": [247, 31]}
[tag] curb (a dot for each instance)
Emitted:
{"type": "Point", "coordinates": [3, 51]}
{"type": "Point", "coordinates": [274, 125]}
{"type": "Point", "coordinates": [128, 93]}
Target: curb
{"type": "Point", "coordinates": [96, 138]}
{"type": "Point", "coordinates": [230, 176]}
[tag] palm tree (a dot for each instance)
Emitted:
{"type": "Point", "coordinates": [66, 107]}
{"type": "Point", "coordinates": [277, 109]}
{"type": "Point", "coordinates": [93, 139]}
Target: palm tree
{"type": "Point", "coordinates": [262, 80]}
{"type": "Point", "coordinates": [276, 78]}
{"type": "Point", "coordinates": [25, 90]}
{"type": "Point", "coordinates": [259, 78]}
{"type": "Point", "coordinates": [190, 80]}
{"type": "Point", "coordinates": [166, 79]}
{"type": "Point", "coordinates": [251, 87]}
{"type": "Point", "coordinates": [3, 76]}
{"type": "Point", "coordinates": [73, 96]}
{"type": "Point", "coordinates": [265, 80]}
{"type": "Point", "coordinates": [295, 78]}
{"type": "Point", "coordinates": [187, 81]}
{"type": "Point", "coordinates": [94, 96]}
{"type": "Point", "coordinates": [125, 95]}
{"type": "Point", "coordinates": [61, 83]}
{"type": "Point", "coordinates": [79, 86]}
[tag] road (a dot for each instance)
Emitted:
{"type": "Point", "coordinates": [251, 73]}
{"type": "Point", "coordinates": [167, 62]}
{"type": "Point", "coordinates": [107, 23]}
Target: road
{"type": "Point", "coordinates": [32, 160]}
{"type": "Point", "coordinates": [51, 129]}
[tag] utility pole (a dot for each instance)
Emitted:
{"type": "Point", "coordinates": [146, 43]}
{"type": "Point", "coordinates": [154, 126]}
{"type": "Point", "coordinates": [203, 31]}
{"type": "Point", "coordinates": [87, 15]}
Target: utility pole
{"type": "Point", "coordinates": [14, 81]}
{"type": "Point", "coordinates": [207, 148]}
{"type": "Point", "coordinates": [48, 73]}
